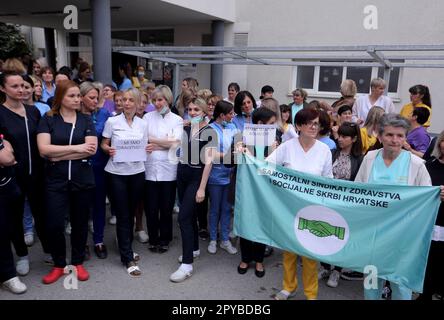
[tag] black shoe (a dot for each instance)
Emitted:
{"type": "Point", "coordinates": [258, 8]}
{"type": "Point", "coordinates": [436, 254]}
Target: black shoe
{"type": "Point", "coordinates": [242, 270]}
{"type": "Point", "coordinates": [100, 250]}
{"type": "Point", "coordinates": [163, 249]}
{"type": "Point", "coordinates": [87, 254]}
{"type": "Point", "coordinates": [259, 273]}
{"type": "Point", "coordinates": [352, 275]}
{"type": "Point", "coordinates": [153, 248]}
{"type": "Point", "coordinates": [203, 234]}
{"type": "Point", "coordinates": [268, 251]}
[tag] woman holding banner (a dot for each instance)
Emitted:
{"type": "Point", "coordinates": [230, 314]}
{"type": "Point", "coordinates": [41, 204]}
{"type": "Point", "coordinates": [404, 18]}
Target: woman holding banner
{"type": "Point", "coordinates": [305, 154]}
{"type": "Point", "coordinates": [395, 166]}
{"type": "Point", "coordinates": [124, 140]}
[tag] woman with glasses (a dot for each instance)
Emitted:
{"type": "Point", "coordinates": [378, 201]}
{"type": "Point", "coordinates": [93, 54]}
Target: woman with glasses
{"type": "Point", "coordinates": [419, 98]}
{"type": "Point", "coordinates": [299, 102]}
{"type": "Point", "coordinates": [305, 154]}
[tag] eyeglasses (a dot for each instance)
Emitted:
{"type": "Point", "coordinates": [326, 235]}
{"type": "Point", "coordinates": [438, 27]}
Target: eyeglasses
{"type": "Point", "coordinates": [312, 124]}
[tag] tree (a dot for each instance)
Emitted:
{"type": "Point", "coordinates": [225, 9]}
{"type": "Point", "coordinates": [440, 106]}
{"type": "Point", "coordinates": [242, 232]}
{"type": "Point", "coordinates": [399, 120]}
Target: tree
{"type": "Point", "coordinates": [12, 42]}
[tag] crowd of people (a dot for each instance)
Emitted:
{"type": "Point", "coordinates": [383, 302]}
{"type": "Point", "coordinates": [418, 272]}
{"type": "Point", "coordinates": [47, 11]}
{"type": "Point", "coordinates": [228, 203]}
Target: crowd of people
{"type": "Point", "coordinates": [61, 152]}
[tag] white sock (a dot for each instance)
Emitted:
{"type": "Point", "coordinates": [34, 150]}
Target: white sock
{"type": "Point", "coordinates": [186, 267]}
{"type": "Point", "coordinates": [197, 252]}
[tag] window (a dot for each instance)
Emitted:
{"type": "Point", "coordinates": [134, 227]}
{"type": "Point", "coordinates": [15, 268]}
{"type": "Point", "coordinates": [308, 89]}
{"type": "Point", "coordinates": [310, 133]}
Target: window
{"type": "Point", "coordinates": [305, 77]}
{"type": "Point", "coordinates": [330, 78]}
{"type": "Point", "coordinates": [326, 80]}
{"type": "Point", "coordinates": [362, 77]}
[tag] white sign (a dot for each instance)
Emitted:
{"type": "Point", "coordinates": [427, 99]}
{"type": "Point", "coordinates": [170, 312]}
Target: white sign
{"type": "Point", "coordinates": [129, 150]}
{"type": "Point", "coordinates": [259, 135]}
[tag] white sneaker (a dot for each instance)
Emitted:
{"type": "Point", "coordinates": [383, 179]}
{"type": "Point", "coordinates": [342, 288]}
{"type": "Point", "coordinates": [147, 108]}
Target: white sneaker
{"type": "Point", "coordinates": [196, 255]}
{"type": "Point", "coordinates": [15, 285]}
{"type": "Point", "coordinates": [323, 273]}
{"type": "Point", "coordinates": [142, 236]}
{"type": "Point", "coordinates": [22, 266]}
{"type": "Point", "coordinates": [68, 229]}
{"type": "Point", "coordinates": [333, 280]}
{"type": "Point", "coordinates": [212, 247]}
{"type": "Point", "coordinates": [29, 239]}
{"type": "Point", "coordinates": [284, 295]}
{"type": "Point", "coordinates": [227, 246]}
{"type": "Point", "coordinates": [181, 274]}
{"type": "Point", "coordinates": [112, 220]}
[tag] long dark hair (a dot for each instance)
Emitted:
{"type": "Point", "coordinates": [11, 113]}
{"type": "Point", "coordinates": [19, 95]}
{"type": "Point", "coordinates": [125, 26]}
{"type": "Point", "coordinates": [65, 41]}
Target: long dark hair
{"type": "Point", "coordinates": [424, 91]}
{"type": "Point", "coordinates": [350, 129]}
{"type": "Point", "coordinates": [239, 100]}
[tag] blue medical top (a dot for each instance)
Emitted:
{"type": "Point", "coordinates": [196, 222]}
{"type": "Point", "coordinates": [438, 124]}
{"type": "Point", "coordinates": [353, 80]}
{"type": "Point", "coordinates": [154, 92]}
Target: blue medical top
{"type": "Point", "coordinates": [397, 173]}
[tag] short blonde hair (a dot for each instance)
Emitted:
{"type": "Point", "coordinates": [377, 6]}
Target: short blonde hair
{"type": "Point", "coordinates": [204, 94]}
{"type": "Point", "coordinates": [437, 149]}
{"type": "Point", "coordinates": [348, 88]}
{"type": "Point", "coordinates": [201, 104]}
{"type": "Point", "coordinates": [163, 92]}
{"type": "Point", "coordinates": [135, 93]}
{"type": "Point", "coordinates": [377, 82]}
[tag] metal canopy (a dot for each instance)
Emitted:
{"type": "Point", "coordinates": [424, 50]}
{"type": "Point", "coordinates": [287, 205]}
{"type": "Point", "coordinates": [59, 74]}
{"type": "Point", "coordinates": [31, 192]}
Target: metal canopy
{"type": "Point", "coordinates": [404, 56]}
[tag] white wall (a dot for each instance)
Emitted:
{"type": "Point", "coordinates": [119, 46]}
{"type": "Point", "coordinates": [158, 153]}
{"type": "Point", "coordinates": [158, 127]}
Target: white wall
{"type": "Point", "coordinates": [340, 22]}
{"type": "Point", "coordinates": [191, 35]}
{"type": "Point", "coordinates": [219, 9]}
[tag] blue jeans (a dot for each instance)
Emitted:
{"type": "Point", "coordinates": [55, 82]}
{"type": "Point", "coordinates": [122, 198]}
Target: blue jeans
{"type": "Point", "coordinates": [399, 292]}
{"type": "Point", "coordinates": [220, 209]}
{"type": "Point", "coordinates": [28, 224]}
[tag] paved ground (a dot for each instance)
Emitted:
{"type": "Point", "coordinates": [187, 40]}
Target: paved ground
{"type": "Point", "coordinates": [215, 278]}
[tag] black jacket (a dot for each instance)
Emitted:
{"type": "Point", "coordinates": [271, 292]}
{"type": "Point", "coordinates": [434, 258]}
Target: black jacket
{"type": "Point", "coordinates": [355, 162]}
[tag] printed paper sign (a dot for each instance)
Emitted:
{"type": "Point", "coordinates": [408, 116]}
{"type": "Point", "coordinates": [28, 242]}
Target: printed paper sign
{"type": "Point", "coordinates": [129, 150]}
{"type": "Point", "coordinates": [259, 135]}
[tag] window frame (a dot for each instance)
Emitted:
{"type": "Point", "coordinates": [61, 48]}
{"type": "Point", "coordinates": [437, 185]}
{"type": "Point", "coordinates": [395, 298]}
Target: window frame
{"type": "Point", "coordinates": [314, 92]}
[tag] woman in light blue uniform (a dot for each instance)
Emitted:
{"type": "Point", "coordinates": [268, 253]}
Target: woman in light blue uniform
{"type": "Point", "coordinates": [219, 180]}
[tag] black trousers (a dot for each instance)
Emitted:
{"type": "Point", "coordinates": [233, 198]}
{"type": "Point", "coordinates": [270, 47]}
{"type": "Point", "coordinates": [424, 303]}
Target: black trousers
{"type": "Point", "coordinates": [434, 278]}
{"type": "Point", "coordinates": [126, 193]}
{"type": "Point", "coordinates": [77, 205]}
{"type": "Point", "coordinates": [188, 181]}
{"type": "Point", "coordinates": [252, 251]}
{"type": "Point", "coordinates": [33, 188]}
{"type": "Point", "coordinates": [159, 204]}
{"type": "Point", "coordinates": [202, 212]}
{"type": "Point", "coordinates": [8, 195]}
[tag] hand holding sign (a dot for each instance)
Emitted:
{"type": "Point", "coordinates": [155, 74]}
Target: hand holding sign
{"type": "Point", "coordinates": [129, 150]}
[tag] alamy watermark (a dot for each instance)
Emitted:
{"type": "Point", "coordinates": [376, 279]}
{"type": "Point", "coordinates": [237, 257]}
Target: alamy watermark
{"type": "Point", "coordinates": [71, 21]}
{"type": "Point", "coordinates": [371, 19]}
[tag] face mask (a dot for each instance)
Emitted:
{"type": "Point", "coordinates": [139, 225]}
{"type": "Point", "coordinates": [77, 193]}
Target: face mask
{"type": "Point", "coordinates": [141, 74]}
{"type": "Point", "coordinates": [164, 110]}
{"type": "Point", "coordinates": [196, 120]}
